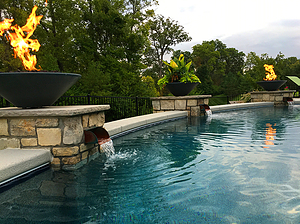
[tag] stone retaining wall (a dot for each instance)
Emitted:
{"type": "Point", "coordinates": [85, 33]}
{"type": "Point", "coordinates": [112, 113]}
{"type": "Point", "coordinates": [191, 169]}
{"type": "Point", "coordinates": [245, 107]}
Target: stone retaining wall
{"type": "Point", "coordinates": [191, 104]}
{"type": "Point", "coordinates": [58, 129]}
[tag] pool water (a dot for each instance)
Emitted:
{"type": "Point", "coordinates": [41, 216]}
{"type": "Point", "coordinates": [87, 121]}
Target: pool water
{"type": "Point", "coordinates": [234, 167]}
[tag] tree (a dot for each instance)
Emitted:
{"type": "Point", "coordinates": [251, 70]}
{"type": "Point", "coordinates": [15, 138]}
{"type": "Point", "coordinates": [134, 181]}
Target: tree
{"type": "Point", "coordinates": [205, 59]}
{"type": "Point", "coordinates": [57, 35]}
{"type": "Point", "coordinates": [138, 6]}
{"type": "Point", "coordinates": [216, 65]}
{"type": "Point", "coordinates": [165, 33]}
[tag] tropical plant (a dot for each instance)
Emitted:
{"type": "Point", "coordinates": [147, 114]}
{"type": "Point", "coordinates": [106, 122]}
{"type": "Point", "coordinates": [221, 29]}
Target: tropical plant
{"type": "Point", "coordinates": [178, 71]}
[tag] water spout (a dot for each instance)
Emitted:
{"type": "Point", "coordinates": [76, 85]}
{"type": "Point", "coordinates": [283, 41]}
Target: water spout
{"type": "Point", "coordinates": [205, 110]}
{"type": "Point", "coordinates": [100, 135]}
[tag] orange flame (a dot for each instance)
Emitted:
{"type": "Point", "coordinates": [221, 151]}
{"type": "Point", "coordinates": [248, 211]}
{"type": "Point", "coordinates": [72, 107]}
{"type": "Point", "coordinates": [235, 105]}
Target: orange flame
{"type": "Point", "coordinates": [270, 134]}
{"type": "Point", "coordinates": [270, 74]}
{"type": "Point", "coordinates": [21, 42]}
{"type": "Point", "coordinates": [5, 25]}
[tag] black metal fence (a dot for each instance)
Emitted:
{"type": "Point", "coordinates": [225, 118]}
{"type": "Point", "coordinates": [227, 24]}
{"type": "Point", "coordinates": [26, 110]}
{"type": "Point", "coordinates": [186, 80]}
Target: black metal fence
{"type": "Point", "coordinates": [120, 107]}
{"type": "Point", "coordinates": [221, 100]}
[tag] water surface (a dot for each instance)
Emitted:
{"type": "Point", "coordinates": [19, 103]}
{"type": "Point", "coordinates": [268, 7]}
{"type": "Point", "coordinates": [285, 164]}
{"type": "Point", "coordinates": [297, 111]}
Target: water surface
{"type": "Point", "coordinates": [235, 167]}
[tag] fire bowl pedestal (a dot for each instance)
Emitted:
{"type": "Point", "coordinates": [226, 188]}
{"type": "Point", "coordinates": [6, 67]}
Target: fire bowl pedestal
{"type": "Point", "coordinates": [57, 129]}
{"type": "Point", "coordinates": [279, 98]}
{"type": "Point", "coordinates": [35, 89]}
{"type": "Point", "coordinates": [271, 85]}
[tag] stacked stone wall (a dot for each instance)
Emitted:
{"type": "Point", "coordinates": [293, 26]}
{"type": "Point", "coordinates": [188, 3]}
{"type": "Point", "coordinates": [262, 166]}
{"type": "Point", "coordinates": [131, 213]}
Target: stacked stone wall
{"type": "Point", "coordinates": [278, 97]}
{"type": "Point", "coordinates": [63, 136]}
{"type": "Point", "coordinates": [191, 104]}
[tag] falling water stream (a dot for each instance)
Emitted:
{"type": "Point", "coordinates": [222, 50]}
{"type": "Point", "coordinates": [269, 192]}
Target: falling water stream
{"type": "Point", "coordinates": [291, 103]}
{"type": "Point", "coordinates": [108, 148]}
{"type": "Point", "coordinates": [208, 112]}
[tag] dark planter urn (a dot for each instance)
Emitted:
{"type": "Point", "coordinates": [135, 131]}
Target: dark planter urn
{"type": "Point", "coordinates": [181, 88]}
{"type": "Point", "coordinates": [35, 89]}
{"type": "Point", "coordinates": [271, 85]}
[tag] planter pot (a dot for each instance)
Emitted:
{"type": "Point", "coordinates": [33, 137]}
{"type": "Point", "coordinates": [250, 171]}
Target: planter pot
{"type": "Point", "coordinates": [180, 88]}
{"type": "Point", "coordinates": [35, 89]}
{"type": "Point", "coordinates": [271, 85]}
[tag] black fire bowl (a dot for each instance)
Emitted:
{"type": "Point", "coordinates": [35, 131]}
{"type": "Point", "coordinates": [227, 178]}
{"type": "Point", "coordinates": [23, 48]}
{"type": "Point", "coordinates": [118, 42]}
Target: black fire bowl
{"type": "Point", "coordinates": [35, 89]}
{"type": "Point", "coordinates": [271, 85]}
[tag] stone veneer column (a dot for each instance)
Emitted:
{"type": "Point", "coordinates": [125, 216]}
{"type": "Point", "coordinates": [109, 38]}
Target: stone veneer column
{"type": "Point", "coordinates": [191, 104]}
{"type": "Point", "coordinates": [58, 129]}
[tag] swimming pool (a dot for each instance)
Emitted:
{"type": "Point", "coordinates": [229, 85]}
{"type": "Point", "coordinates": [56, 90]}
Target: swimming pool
{"type": "Point", "coordinates": [234, 167]}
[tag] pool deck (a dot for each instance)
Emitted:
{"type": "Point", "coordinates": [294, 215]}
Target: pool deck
{"type": "Point", "coordinates": [15, 163]}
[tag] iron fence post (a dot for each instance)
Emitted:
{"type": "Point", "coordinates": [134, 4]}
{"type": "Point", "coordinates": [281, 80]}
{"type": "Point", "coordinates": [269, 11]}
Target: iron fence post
{"type": "Point", "coordinates": [137, 106]}
{"type": "Point", "coordinates": [89, 99]}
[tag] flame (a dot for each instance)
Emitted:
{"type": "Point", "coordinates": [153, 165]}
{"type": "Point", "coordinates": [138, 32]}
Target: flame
{"type": "Point", "coordinates": [5, 25]}
{"type": "Point", "coordinates": [270, 74]}
{"type": "Point", "coordinates": [270, 134]}
{"type": "Point", "coordinates": [19, 38]}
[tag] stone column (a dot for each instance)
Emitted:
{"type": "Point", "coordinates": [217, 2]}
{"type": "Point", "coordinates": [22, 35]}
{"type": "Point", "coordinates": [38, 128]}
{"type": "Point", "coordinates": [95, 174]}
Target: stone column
{"type": "Point", "coordinates": [191, 104]}
{"type": "Point", "coordinates": [57, 129]}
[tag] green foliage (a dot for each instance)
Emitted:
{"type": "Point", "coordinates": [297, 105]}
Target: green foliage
{"type": "Point", "coordinates": [219, 68]}
{"type": "Point", "coordinates": [150, 88]}
{"type": "Point", "coordinates": [178, 71]}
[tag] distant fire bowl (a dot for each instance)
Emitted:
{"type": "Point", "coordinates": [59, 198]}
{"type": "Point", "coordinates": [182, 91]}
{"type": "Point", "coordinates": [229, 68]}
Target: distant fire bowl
{"type": "Point", "coordinates": [271, 85]}
{"type": "Point", "coordinates": [35, 89]}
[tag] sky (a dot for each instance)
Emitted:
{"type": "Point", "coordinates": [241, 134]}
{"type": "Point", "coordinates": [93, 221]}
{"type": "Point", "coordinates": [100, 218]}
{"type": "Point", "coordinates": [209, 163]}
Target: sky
{"type": "Point", "coordinates": [260, 26]}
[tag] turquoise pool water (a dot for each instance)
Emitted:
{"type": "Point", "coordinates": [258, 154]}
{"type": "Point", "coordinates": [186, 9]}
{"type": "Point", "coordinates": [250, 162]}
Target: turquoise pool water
{"type": "Point", "coordinates": [235, 167]}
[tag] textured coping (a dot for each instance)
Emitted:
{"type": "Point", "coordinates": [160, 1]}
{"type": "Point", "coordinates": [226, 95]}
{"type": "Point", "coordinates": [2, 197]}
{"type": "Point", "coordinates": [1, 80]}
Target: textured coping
{"type": "Point", "coordinates": [15, 163]}
{"type": "Point", "coordinates": [296, 101]}
{"type": "Point", "coordinates": [125, 125]}
{"type": "Point", "coordinates": [181, 97]}
{"type": "Point", "coordinates": [240, 106]}
{"type": "Point", "coordinates": [52, 111]}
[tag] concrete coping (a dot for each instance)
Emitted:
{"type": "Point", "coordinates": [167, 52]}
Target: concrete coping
{"type": "Point", "coordinates": [52, 111]}
{"type": "Point", "coordinates": [14, 162]}
{"type": "Point", "coordinates": [119, 126]}
{"type": "Point", "coordinates": [296, 101]}
{"type": "Point", "coordinates": [181, 97]}
{"type": "Point", "coordinates": [273, 92]}
{"type": "Point", "coordinates": [239, 106]}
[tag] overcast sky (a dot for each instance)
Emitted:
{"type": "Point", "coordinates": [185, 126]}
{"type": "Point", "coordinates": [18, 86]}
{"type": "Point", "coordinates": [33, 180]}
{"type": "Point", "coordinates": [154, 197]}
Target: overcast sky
{"type": "Point", "coordinates": [261, 26]}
